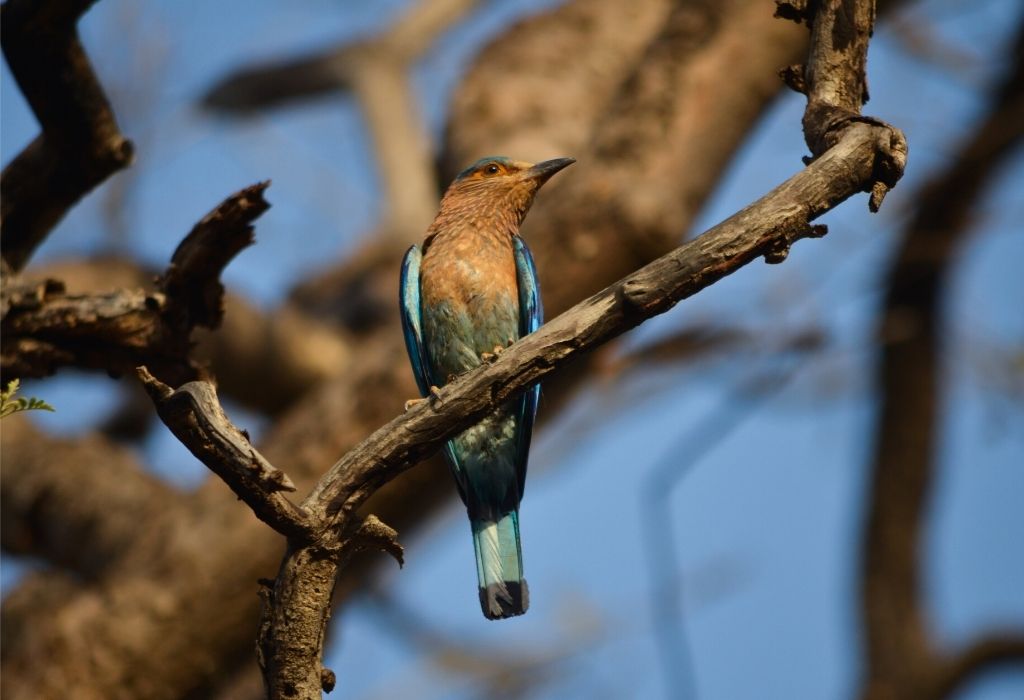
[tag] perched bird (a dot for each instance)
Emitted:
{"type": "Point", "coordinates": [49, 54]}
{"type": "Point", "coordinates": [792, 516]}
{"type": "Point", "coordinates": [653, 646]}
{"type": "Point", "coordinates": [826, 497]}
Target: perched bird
{"type": "Point", "coordinates": [469, 292]}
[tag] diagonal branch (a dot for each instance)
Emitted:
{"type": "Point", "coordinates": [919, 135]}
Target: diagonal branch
{"type": "Point", "coordinates": [80, 145]}
{"type": "Point", "coordinates": [302, 593]}
{"type": "Point", "coordinates": [766, 228]}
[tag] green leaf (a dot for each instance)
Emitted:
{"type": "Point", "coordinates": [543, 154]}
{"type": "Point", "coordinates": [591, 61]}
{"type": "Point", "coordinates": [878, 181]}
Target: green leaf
{"type": "Point", "coordinates": [10, 405]}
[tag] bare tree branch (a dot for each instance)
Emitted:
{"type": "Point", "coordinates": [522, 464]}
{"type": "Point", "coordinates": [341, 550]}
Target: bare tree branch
{"type": "Point", "coordinates": [192, 282]}
{"type": "Point", "coordinates": [255, 88]}
{"type": "Point", "coordinates": [835, 79]}
{"type": "Point", "coordinates": [292, 644]}
{"type": "Point", "coordinates": [45, 328]}
{"type": "Point", "coordinates": [304, 352]}
{"type": "Point", "coordinates": [80, 145]}
{"type": "Point", "coordinates": [983, 655]}
{"type": "Point", "coordinates": [195, 416]}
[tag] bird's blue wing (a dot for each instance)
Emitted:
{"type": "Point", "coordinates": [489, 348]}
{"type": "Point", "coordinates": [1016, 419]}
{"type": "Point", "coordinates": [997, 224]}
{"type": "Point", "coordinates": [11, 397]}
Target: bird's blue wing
{"type": "Point", "coordinates": [412, 325]}
{"type": "Point", "coordinates": [412, 328]}
{"type": "Point", "coordinates": [531, 316]}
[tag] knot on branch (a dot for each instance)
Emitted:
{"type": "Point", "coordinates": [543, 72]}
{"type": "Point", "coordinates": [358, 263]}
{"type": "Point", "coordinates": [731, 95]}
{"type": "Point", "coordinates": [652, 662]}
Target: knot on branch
{"type": "Point", "coordinates": [778, 249]}
{"type": "Point", "coordinates": [778, 252]}
{"type": "Point", "coordinates": [634, 294]}
{"type": "Point", "coordinates": [116, 153]}
{"type": "Point", "coordinates": [373, 533]}
{"type": "Point", "coordinates": [327, 679]}
{"type": "Point", "coordinates": [890, 162]}
{"type": "Point", "coordinates": [825, 124]}
{"type": "Point", "coordinates": [794, 78]}
{"type": "Point", "coordinates": [796, 10]}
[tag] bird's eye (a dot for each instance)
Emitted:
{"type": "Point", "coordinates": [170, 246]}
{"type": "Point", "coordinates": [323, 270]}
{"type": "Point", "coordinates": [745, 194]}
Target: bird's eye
{"type": "Point", "coordinates": [492, 169]}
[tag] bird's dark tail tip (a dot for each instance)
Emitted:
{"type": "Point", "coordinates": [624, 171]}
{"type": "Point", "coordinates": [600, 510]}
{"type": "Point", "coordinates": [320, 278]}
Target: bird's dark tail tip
{"type": "Point", "coordinates": [505, 599]}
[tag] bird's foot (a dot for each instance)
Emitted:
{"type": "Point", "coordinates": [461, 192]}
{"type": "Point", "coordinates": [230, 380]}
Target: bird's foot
{"type": "Point", "coordinates": [435, 393]}
{"type": "Point", "coordinates": [491, 356]}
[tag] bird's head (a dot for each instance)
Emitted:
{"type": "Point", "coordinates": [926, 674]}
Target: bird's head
{"type": "Point", "coordinates": [499, 187]}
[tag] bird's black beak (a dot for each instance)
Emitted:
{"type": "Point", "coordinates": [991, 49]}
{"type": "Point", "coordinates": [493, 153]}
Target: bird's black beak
{"type": "Point", "coordinates": [545, 169]}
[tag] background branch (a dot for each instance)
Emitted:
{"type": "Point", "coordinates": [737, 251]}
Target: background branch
{"type": "Point", "coordinates": [901, 658]}
{"type": "Point", "coordinates": [80, 145]}
{"type": "Point", "coordinates": [77, 503]}
{"type": "Point", "coordinates": [378, 72]}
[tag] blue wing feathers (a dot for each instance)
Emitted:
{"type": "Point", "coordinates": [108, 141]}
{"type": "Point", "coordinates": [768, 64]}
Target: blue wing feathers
{"type": "Point", "coordinates": [412, 329]}
{"type": "Point", "coordinates": [412, 325]}
{"type": "Point", "coordinates": [531, 316]}
{"type": "Point", "coordinates": [531, 309]}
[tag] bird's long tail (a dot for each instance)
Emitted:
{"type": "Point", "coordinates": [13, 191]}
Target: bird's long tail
{"type": "Point", "coordinates": [499, 567]}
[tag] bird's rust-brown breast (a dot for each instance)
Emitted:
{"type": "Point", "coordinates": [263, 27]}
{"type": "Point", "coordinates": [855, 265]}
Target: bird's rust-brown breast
{"type": "Point", "coordinates": [469, 269]}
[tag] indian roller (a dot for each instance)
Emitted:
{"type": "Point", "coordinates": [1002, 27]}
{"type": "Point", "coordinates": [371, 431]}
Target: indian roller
{"type": "Point", "coordinates": [467, 293]}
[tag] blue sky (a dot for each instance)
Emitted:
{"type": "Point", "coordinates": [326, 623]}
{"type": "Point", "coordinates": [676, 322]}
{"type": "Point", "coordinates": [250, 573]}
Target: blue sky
{"type": "Point", "coordinates": [764, 525]}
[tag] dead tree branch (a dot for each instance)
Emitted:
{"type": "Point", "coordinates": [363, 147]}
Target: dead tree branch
{"type": "Point", "coordinates": [80, 145]}
{"type": "Point", "coordinates": [45, 328]}
{"type": "Point", "coordinates": [292, 643]}
{"type": "Point", "coordinates": [835, 80]}
{"type": "Point", "coordinates": [305, 352]}
{"type": "Point", "coordinates": [195, 416]}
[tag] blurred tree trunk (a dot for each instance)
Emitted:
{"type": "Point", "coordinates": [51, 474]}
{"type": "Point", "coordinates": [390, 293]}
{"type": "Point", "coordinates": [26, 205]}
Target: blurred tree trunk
{"type": "Point", "coordinates": [903, 660]}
